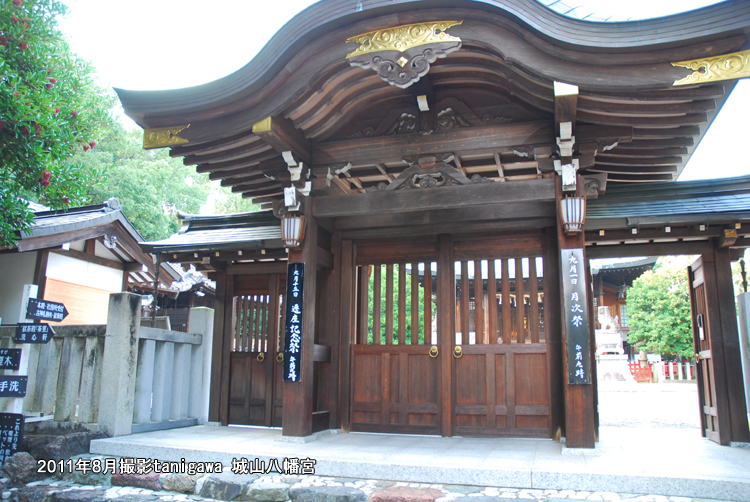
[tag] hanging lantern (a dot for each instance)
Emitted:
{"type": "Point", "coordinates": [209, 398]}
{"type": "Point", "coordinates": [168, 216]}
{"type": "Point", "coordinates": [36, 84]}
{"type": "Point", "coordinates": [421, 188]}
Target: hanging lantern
{"type": "Point", "coordinates": [292, 231]}
{"type": "Point", "coordinates": [573, 214]}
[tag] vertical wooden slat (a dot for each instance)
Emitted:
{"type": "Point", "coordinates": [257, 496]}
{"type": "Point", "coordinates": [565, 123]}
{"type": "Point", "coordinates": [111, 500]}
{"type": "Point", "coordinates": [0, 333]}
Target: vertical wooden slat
{"type": "Point", "coordinates": [273, 321]}
{"type": "Point", "coordinates": [364, 302]}
{"type": "Point", "coordinates": [446, 326]}
{"type": "Point", "coordinates": [465, 302]}
{"type": "Point", "coordinates": [247, 320]}
{"type": "Point", "coordinates": [479, 303]}
{"type": "Point", "coordinates": [389, 304]}
{"type": "Point", "coordinates": [348, 328]}
{"type": "Point", "coordinates": [235, 328]}
{"type": "Point", "coordinates": [414, 303]}
{"type": "Point", "coordinates": [534, 299]}
{"type": "Point", "coordinates": [491, 383]}
{"type": "Point", "coordinates": [376, 305]}
{"type": "Point", "coordinates": [258, 322]}
{"type": "Point", "coordinates": [520, 310]}
{"type": "Point", "coordinates": [385, 397]}
{"type": "Point", "coordinates": [401, 303]}
{"type": "Point", "coordinates": [507, 328]}
{"type": "Point", "coordinates": [492, 301]}
{"type": "Point", "coordinates": [403, 388]}
{"type": "Point", "coordinates": [427, 303]}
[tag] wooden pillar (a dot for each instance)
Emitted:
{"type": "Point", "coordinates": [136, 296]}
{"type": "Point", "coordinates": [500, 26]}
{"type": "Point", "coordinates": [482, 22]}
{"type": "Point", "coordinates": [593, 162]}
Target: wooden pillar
{"type": "Point", "coordinates": [580, 421]}
{"type": "Point", "coordinates": [218, 409]}
{"type": "Point", "coordinates": [298, 396]}
{"type": "Point", "coordinates": [348, 326]}
{"type": "Point", "coordinates": [446, 327]}
{"type": "Point", "coordinates": [730, 352]}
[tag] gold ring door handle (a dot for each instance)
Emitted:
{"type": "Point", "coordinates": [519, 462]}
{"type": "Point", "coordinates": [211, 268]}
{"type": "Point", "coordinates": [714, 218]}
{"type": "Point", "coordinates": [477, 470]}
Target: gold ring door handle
{"type": "Point", "coordinates": [458, 352]}
{"type": "Point", "coordinates": [280, 357]}
{"type": "Point", "coordinates": [433, 351]}
{"type": "Point", "coordinates": [261, 357]}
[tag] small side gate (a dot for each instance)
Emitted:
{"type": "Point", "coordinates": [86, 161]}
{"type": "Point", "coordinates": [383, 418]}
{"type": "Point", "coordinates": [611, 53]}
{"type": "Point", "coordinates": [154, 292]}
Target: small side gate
{"type": "Point", "coordinates": [255, 396]}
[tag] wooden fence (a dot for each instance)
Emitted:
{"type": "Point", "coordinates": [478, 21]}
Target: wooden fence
{"type": "Point", "coordinates": [168, 389]}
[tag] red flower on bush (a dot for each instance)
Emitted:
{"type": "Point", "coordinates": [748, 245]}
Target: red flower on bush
{"type": "Point", "coordinates": [17, 3]}
{"type": "Point", "coordinates": [24, 130]}
{"type": "Point", "coordinates": [49, 86]}
{"type": "Point", "coordinates": [46, 175]}
{"type": "Point", "coordinates": [3, 40]}
{"type": "Point", "coordinates": [86, 148]}
{"type": "Point", "coordinates": [17, 95]}
{"type": "Point", "coordinates": [74, 113]}
{"type": "Point", "coordinates": [92, 144]}
{"type": "Point", "coordinates": [57, 110]}
{"type": "Point", "coordinates": [22, 46]}
{"type": "Point", "coordinates": [53, 80]}
{"type": "Point", "coordinates": [14, 19]}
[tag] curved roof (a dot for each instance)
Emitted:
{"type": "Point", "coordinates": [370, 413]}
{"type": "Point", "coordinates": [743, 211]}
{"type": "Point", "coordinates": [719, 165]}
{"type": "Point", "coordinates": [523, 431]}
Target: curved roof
{"type": "Point", "coordinates": [511, 53]}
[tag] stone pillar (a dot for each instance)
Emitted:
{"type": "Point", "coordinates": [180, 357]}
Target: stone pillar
{"type": "Point", "coordinates": [743, 302]}
{"type": "Point", "coordinates": [201, 321]}
{"type": "Point", "coordinates": [119, 363]}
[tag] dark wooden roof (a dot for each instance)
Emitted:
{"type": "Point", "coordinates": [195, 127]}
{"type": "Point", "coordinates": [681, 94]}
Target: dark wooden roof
{"type": "Point", "coordinates": [684, 218]}
{"type": "Point", "coordinates": [212, 243]}
{"type": "Point", "coordinates": [499, 84]}
{"type": "Point", "coordinates": [51, 229]}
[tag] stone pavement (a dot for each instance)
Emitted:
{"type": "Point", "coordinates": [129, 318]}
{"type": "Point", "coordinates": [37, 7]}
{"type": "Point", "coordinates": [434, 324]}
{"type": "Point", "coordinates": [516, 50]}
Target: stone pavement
{"type": "Point", "coordinates": [76, 487]}
{"type": "Point", "coordinates": [657, 461]}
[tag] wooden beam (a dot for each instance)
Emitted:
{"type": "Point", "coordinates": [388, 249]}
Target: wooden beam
{"type": "Point", "coordinates": [566, 103]}
{"type": "Point", "coordinates": [655, 249]}
{"type": "Point", "coordinates": [442, 198]}
{"type": "Point", "coordinates": [636, 169]}
{"type": "Point", "coordinates": [275, 267]}
{"type": "Point", "coordinates": [470, 139]}
{"type": "Point", "coordinates": [40, 271]}
{"type": "Point", "coordinates": [90, 258]}
{"type": "Point", "coordinates": [55, 240]}
{"type": "Point", "coordinates": [250, 160]}
{"type": "Point", "coordinates": [240, 152]}
{"type": "Point", "coordinates": [282, 136]}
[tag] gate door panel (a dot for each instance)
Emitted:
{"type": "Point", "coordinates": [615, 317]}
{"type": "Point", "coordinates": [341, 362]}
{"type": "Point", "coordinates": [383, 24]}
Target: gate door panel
{"type": "Point", "coordinates": [254, 371]}
{"type": "Point", "coordinates": [702, 344]}
{"type": "Point", "coordinates": [395, 378]}
{"type": "Point", "coordinates": [500, 356]}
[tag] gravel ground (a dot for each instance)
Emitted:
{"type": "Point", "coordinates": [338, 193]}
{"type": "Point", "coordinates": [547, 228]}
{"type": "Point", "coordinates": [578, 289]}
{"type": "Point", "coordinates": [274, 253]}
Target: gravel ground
{"type": "Point", "coordinates": [672, 404]}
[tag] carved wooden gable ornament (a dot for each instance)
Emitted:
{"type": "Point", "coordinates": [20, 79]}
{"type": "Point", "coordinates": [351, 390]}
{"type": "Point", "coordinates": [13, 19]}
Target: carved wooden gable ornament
{"type": "Point", "coordinates": [402, 55]}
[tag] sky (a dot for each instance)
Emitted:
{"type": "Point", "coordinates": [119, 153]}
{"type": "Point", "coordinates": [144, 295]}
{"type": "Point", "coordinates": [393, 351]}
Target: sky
{"type": "Point", "coordinates": [167, 44]}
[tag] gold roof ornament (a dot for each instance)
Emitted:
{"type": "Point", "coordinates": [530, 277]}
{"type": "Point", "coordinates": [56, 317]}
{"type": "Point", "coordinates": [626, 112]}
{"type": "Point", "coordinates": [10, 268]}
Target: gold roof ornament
{"type": "Point", "coordinates": [726, 67]}
{"type": "Point", "coordinates": [402, 55]}
{"type": "Point", "coordinates": [163, 136]}
{"type": "Point", "coordinates": [402, 38]}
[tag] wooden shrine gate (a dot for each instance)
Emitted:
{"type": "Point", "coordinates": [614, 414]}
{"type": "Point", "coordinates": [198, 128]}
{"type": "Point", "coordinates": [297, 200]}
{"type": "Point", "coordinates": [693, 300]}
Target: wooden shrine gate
{"type": "Point", "coordinates": [499, 363]}
{"type": "Point", "coordinates": [255, 396]}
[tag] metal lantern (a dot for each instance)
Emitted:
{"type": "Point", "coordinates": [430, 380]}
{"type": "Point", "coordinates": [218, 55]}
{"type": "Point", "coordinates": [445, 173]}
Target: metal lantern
{"type": "Point", "coordinates": [292, 231]}
{"type": "Point", "coordinates": [573, 214]}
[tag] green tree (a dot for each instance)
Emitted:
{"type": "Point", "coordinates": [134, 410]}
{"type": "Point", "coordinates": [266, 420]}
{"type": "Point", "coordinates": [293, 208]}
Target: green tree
{"type": "Point", "coordinates": [408, 304]}
{"type": "Point", "coordinates": [50, 110]}
{"type": "Point", "coordinates": [659, 311]}
{"type": "Point", "coordinates": [150, 185]}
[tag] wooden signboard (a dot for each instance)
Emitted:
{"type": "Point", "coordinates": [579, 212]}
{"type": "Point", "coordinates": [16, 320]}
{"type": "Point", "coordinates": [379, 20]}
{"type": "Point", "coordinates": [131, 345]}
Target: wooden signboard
{"type": "Point", "coordinates": [13, 385]}
{"type": "Point", "coordinates": [295, 279]}
{"type": "Point", "coordinates": [576, 316]}
{"type": "Point", "coordinates": [27, 332]}
{"type": "Point", "coordinates": [10, 359]}
{"type": "Point", "coordinates": [42, 310]}
{"type": "Point", "coordinates": [11, 434]}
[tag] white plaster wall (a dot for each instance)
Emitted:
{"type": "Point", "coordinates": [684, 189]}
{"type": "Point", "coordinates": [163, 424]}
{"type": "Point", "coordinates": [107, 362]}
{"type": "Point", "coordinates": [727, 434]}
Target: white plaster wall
{"type": "Point", "coordinates": [16, 269]}
{"type": "Point", "coordinates": [67, 269]}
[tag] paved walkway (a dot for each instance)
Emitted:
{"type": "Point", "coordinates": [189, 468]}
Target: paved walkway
{"type": "Point", "coordinates": [673, 462]}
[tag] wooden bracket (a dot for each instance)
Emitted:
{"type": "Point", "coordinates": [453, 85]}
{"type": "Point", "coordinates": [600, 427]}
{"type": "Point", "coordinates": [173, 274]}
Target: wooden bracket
{"type": "Point", "coordinates": [282, 136]}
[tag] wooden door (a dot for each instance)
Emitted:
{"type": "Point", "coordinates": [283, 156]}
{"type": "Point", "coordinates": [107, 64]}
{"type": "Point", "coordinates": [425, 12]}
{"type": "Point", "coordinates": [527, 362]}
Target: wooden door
{"type": "Point", "coordinates": [500, 368]}
{"type": "Point", "coordinates": [255, 367]}
{"type": "Point", "coordinates": [395, 374]}
{"type": "Point", "coordinates": [702, 344]}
